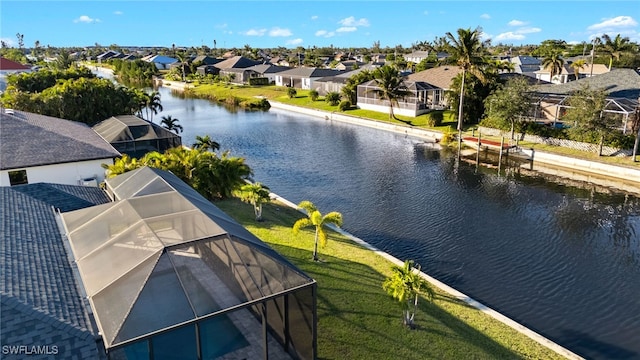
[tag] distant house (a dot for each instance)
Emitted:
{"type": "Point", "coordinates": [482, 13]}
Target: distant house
{"type": "Point", "coordinates": [568, 73]}
{"type": "Point", "coordinates": [160, 61]}
{"type": "Point", "coordinates": [236, 62]}
{"type": "Point", "coordinates": [268, 71]}
{"type": "Point", "coordinates": [337, 82]}
{"type": "Point", "coordinates": [239, 75]}
{"type": "Point", "coordinates": [348, 65]}
{"type": "Point", "coordinates": [135, 137]}
{"type": "Point", "coordinates": [622, 87]}
{"type": "Point", "coordinates": [205, 60]}
{"type": "Point", "coordinates": [416, 56]}
{"type": "Point", "coordinates": [107, 55]}
{"type": "Point", "coordinates": [303, 77]}
{"type": "Point", "coordinates": [37, 148]}
{"type": "Point", "coordinates": [526, 65]}
{"type": "Point", "coordinates": [8, 67]}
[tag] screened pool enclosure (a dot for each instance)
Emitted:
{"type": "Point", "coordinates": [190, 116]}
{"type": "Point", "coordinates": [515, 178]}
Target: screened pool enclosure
{"type": "Point", "coordinates": [170, 276]}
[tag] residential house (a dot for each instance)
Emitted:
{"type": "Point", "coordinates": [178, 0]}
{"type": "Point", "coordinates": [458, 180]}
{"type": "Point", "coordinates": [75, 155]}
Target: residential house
{"type": "Point", "coordinates": [427, 90]}
{"type": "Point", "coordinates": [348, 65]}
{"type": "Point", "coordinates": [136, 137]}
{"type": "Point", "coordinates": [145, 268]}
{"type": "Point", "coordinates": [568, 74]}
{"type": "Point", "coordinates": [106, 56]}
{"type": "Point", "coordinates": [8, 67]}
{"type": "Point", "coordinates": [268, 71]}
{"type": "Point", "coordinates": [337, 82]}
{"type": "Point", "coordinates": [303, 77]}
{"type": "Point", "coordinates": [37, 148]}
{"type": "Point", "coordinates": [526, 65]}
{"type": "Point", "coordinates": [42, 305]}
{"type": "Point", "coordinates": [622, 87]}
{"type": "Point", "coordinates": [416, 56]}
{"type": "Point", "coordinates": [160, 61]}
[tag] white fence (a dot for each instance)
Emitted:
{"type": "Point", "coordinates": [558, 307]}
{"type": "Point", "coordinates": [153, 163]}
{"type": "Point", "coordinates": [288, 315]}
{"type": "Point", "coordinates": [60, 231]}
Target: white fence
{"type": "Point", "coordinates": [606, 150]}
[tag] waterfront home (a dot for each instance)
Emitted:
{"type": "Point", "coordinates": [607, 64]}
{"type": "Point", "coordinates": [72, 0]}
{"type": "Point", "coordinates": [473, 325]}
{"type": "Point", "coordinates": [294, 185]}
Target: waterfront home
{"type": "Point", "coordinates": [37, 148]}
{"type": "Point", "coordinates": [303, 77]}
{"type": "Point", "coordinates": [135, 137]}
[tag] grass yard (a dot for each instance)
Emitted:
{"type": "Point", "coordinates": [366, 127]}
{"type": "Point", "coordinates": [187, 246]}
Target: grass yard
{"type": "Point", "coordinates": [358, 320]}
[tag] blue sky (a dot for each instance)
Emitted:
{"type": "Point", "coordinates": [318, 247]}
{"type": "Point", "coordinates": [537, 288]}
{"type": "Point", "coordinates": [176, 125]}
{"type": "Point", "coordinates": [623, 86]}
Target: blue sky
{"type": "Point", "coordinates": [265, 23]}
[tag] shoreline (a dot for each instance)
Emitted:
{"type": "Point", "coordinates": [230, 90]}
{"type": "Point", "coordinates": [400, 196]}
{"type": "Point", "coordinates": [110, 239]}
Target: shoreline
{"type": "Point", "coordinates": [585, 167]}
{"type": "Point", "coordinates": [542, 340]}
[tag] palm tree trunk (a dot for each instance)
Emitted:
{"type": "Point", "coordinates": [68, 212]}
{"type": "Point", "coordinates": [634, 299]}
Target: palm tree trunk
{"type": "Point", "coordinates": [635, 146]}
{"type": "Point", "coordinates": [461, 101]}
{"type": "Point", "coordinates": [315, 247]}
{"type": "Point", "coordinates": [257, 208]}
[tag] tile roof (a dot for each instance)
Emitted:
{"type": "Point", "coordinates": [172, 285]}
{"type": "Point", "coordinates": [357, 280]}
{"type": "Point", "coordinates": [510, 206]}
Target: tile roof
{"type": "Point", "coordinates": [41, 304]}
{"type": "Point", "coordinates": [28, 139]}
{"type": "Point", "coordinates": [618, 83]}
{"type": "Point", "coordinates": [6, 64]}
{"type": "Point", "coordinates": [440, 76]}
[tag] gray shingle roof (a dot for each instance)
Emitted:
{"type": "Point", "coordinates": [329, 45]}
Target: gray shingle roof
{"type": "Point", "coordinates": [311, 72]}
{"type": "Point", "coordinates": [28, 139]}
{"type": "Point", "coordinates": [41, 304]}
{"type": "Point", "coordinates": [618, 83]}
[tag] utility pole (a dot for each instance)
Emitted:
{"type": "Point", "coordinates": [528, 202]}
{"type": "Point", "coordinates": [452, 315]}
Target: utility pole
{"type": "Point", "coordinates": [593, 51]}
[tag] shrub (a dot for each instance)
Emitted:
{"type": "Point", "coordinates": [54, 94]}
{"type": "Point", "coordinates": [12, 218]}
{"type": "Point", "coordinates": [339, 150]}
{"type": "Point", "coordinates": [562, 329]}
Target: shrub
{"type": "Point", "coordinates": [345, 105]}
{"type": "Point", "coordinates": [314, 95]}
{"type": "Point", "coordinates": [435, 118]}
{"type": "Point", "coordinates": [333, 98]}
{"type": "Point", "coordinates": [291, 92]}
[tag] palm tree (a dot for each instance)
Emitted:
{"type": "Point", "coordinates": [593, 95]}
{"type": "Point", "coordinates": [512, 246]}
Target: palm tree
{"type": "Point", "coordinates": [171, 124]}
{"type": "Point", "coordinates": [205, 143]}
{"type": "Point", "coordinates": [615, 47]}
{"type": "Point", "coordinates": [391, 87]}
{"type": "Point", "coordinates": [577, 65]}
{"type": "Point", "coordinates": [554, 64]}
{"type": "Point", "coordinates": [152, 104]}
{"type": "Point", "coordinates": [255, 194]}
{"type": "Point", "coordinates": [467, 50]}
{"type": "Point", "coordinates": [405, 286]}
{"type": "Point", "coordinates": [315, 218]}
{"type": "Point", "coordinates": [121, 165]}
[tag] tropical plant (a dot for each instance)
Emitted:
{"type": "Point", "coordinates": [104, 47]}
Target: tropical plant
{"type": "Point", "coordinates": [205, 143]}
{"type": "Point", "coordinates": [121, 165]}
{"type": "Point", "coordinates": [508, 103]}
{"type": "Point", "coordinates": [314, 218]}
{"type": "Point", "coordinates": [406, 285]}
{"type": "Point", "coordinates": [553, 63]}
{"type": "Point", "coordinates": [171, 124]}
{"type": "Point", "coordinates": [292, 92]}
{"type": "Point", "coordinates": [585, 115]}
{"type": "Point", "coordinates": [255, 194]}
{"type": "Point", "coordinates": [344, 105]}
{"type": "Point", "coordinates": [391, 87]}
{"type": "Point", "coordinates": [615, 47]}
{"type": "Point", "coordinates": [577, 66]}
{"type": "Point", "coordinates": [152, 104]}
{"type": "Point", "coordinates": [313, 94]}
{"type": "Point", "coordinates": [468, 52]}
{"type": "Point", "coordinates": [333, 98]}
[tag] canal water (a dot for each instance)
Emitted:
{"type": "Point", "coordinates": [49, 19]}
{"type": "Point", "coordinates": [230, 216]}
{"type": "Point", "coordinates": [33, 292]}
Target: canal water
{"type": "Point", "coordinates": [562, 258]}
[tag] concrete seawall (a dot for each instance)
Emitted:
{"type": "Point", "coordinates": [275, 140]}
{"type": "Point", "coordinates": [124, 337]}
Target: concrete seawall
{"type": "Point", "coordinates": [607, 170]}
{"type": "Point", "coordinates": [451, 291]}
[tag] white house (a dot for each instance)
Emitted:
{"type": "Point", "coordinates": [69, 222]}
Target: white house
{"type": "Point", "coordinates": [8, 67]}
{"type": "Point", "coordinates": [162, 62]}
{"type": "Point", "coordinates": [37, 148]}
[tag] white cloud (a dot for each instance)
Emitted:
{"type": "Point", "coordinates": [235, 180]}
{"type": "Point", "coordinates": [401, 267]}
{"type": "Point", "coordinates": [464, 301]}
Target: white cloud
{"type": "Point", "coordinates": [528, 30]}
{"type": "Point", "coordinates": [352, 22]}
{"type": "Point", "coordinates": [8, 41]}
{"type": "Point", "coordinates": [314, 17]}
{"type": "Point", "coordinates": [509, 36]}
{"type": "Point", "coordinates": [347, 29]}
{"type": "Point", "coordinates": [325, 33]}
{"type": "Point", "coordinates": [85, 19]}
{"type": "Point", "coordinates": [221, 26]}
{"type": "Point", "coordinates": [297, 41]}
{"type": "Point", "coordinates": [516, 23]}
{"type": "Point", "coordinates": [118, 12]}
{"type": "Point", "coordinates": [485, 16]}
{"type": "Point", "coordinates": [256, 32]}
{"type": "Point", "coordinates": [614, 23]}
{"type": "Point", "coordinates": [276, 31]}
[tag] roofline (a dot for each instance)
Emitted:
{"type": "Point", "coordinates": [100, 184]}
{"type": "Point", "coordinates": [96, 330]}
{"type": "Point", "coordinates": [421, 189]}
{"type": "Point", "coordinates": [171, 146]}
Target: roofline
{"type": "Point", "coordinates": [58, 163]}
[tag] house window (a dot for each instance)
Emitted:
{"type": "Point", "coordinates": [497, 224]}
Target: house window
{"type": "Point", "coordinates": [18, 177]}
{"type": "Point", "coordinates": [436, 97]}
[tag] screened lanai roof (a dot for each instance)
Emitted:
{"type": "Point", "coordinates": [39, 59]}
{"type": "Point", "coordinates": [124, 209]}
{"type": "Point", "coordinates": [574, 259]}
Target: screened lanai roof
{"type": "Point", "coordinates": [613, 105]}
{"type": "Point", "coordinates": [161, 255]}
{"type": "Point", "coordinates": [126, 128]}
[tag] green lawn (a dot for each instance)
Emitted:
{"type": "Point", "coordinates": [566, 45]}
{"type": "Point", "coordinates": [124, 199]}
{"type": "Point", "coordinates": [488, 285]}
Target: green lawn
{"type": "Point", "coordinates": [358, 320]}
